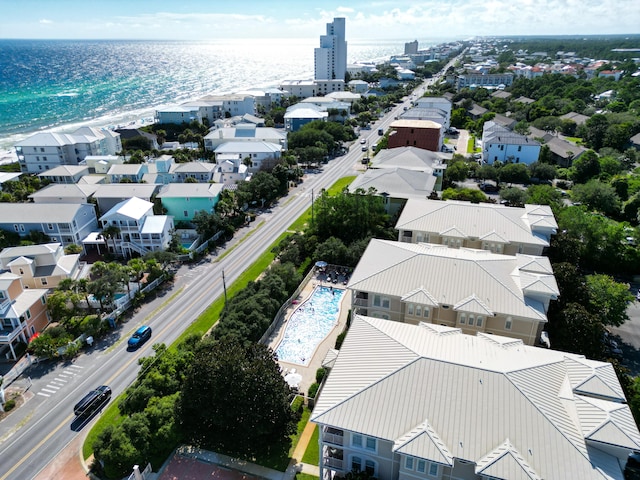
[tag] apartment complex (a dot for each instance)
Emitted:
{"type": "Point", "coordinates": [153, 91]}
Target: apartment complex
{"type": "Point", "coordinates": [331, 57]}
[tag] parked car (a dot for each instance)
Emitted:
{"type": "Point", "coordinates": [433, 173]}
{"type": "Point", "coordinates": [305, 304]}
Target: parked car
{"type": "Point", "coordinates": [93, 401]}
{"type": "Point", "coordinates": [363, 141]}
{"type": "Point", "coordinates": [489, 188]}
{"type": "Point", "coordinates": [140, 336]}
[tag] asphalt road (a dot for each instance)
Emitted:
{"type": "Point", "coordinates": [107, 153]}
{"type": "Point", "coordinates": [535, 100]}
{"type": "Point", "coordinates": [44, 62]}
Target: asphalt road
{"type": "Point", "coordinates": [34, 434]}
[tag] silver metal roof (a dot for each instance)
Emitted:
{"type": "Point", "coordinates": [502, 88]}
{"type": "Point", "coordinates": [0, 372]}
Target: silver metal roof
{"type": "Point", "coordinates": [513, 410]}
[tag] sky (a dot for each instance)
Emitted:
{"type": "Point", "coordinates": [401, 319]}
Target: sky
{"type": "Point", "coordinates": [366, 20]}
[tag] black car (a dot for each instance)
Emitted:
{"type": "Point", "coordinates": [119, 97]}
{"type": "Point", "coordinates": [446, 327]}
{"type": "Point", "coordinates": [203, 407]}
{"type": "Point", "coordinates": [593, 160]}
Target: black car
{"type": "Point", "coordinates": [140, 336]}
{"type": "Point", "coordinates": [93, 401]}
{"type": "Point", "coordinates": [489, 188]}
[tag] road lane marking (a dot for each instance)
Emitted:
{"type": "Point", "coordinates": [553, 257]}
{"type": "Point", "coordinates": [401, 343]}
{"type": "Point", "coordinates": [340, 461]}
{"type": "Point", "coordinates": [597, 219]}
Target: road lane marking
{"type": "Point", "coordinates": [48, 391]}
{"type": "Point", "coordinates": [43, 394]}
{"type": "Point", "coordinates": [53, 386]}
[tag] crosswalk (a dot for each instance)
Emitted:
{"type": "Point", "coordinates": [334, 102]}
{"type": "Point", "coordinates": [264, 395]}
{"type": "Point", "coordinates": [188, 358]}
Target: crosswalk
{"type": "Point", "coordinates": [60, 380]}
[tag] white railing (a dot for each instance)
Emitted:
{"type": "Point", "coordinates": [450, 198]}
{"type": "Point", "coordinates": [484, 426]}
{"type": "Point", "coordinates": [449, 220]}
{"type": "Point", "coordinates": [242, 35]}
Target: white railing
{"type": "Point", "coordinates": [332, 462]}
{"type": "Point", "coordinates": [333, 438]}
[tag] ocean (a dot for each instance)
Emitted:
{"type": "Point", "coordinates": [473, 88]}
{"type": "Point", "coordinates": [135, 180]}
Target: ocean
{"type": "Point", "coordinates": [63, 84]}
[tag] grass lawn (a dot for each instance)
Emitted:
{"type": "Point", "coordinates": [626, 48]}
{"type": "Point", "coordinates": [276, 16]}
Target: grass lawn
{"type": "Point", "coordinates": [312, 453]}
{"type": "Point", "coordinates": [576, 140]}
{"type": "Point", "coordinates": [471, 144]}
{"type": "Point", "coordinates": [202, 324]}
{"type": "Point", "coordinates": [305, 476]}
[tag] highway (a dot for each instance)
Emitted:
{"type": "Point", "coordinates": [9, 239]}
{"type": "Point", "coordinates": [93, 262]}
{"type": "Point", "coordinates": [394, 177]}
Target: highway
{"type": "Point", "coordinates": [34, 434]}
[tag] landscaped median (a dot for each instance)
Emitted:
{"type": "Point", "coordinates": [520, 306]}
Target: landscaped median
{"type": "Point", "coordinates": [202, 324]}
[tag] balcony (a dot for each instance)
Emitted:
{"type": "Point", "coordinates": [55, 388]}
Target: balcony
{"type": "Point", "coordinates": [7, 335]}
{"type": "Point", "coordinates": [333, 463]}
{"type": "Point", "coordinates": [333, 438]}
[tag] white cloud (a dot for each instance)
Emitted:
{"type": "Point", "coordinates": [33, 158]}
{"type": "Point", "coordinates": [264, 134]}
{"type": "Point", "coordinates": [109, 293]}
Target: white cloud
{"type": "Point", "coordinates": [345, 10]}
{"type": "Point", "coordinates": [45, 21]}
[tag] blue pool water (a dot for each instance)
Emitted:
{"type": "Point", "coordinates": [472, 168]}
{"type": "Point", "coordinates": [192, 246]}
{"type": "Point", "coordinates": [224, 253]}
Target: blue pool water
{"type": "Point", "coordinates": [309, 324]}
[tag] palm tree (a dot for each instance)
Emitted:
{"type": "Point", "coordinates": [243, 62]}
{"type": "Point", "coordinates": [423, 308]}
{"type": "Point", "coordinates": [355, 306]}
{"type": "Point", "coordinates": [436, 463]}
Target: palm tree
{"type": "Point", "coordinates": [110, 232]}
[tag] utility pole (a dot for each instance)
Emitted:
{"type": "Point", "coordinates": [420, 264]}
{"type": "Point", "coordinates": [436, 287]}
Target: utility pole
{"type": "Point", "coordinates": [224, 286]}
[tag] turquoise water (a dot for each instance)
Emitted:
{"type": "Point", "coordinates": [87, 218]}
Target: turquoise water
{"type": "Point", "coordinates": [309, 324]}
{"type": "Point", "coordinates": [63, 84]}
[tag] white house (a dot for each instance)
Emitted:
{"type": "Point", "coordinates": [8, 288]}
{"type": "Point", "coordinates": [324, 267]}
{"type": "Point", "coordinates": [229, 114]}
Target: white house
{"type": "Point", "coordinates": [257, 155]}
{"type": "Point", "coordinates": [139, 230]}
{"type": "Point", "coordinates": [200, 171]}
{"type": "Point", "coordinates": [230, 169]}
{"type": "Point", "coordinates": [500, 144]}
{"type": "Point", "coordinates": [244, 132]}
{"type": "Point", "coordinates": [407, 402]}
{"type": "Point", "coordinates": [40, 266]}
{"type": "Point", "coordinates": [65, 174]}
{"type": "Point", "coordinates": [46, 150]}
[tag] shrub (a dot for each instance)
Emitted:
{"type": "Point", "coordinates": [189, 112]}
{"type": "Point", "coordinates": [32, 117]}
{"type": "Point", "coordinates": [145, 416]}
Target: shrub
{"type": "Point", "coordinates": [297, 405]}
{"type": "Point", "coordinates": [313, 390]}
{"type": "Point", "coordinates": [340, 339]}
{"type": "Point", "coordinates": [9, 405]}
{"type": "Point", "coordinates": [320, 374]}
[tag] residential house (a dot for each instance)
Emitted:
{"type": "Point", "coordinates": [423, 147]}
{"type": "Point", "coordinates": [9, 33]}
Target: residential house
{"type": "Point", "coordinates": [102, 163]}
{"type": "Point", "coordinates": [230, 169]}
{"type": "Point", "coordinates": [135, 133]}
{"type": "Point", "coordinates": [577, 118]}
{"type": "Point", "coordinates": [412, 158]}
{"type": "Point", "coordinates": [615, 74]}
{"type": "Point", "coordinates": [128, 172]}
{"type": "Point", "coordinates": [178, 114]}
{"type": "Point", "coordinates": [403, 402]}
{"type": "Point", "coordinates": [139, 230]}
{"type": "Point", "coordinates": [311, 88]}
{"type": "Point", "coordinates": [244, 132]}
{"type": "Point", "coordinates": [395, 185]}
{"type": "Point", "coordinates": [635, 141]}
{"type": "Point", "coordinates": [345, 97]}
{"type": "Point", "coordinates": [40, 266]}
{"type": "Point", "coordinates": [477, 111]}
{"type": "Point", "coordinates": [183, 200]}
{"type": "Point", "coordinates": [300, 114]}
{"type": "Point", "coordinates": [62, 222]}
{"type": "Point", "coordinates": [416, 133]}
{"type": "Point", "coordinates": [358, 86]}
{"type": "Point", "coordinates": [266, 97]}
{"type": "Point", "coordinates": [23, 313]}
{"type": "Point", "coordinates": [564, 152]}
{"type": "Point", "coordinates": [486, 226]}
{"type": "Point", "coordinates": [109, 195]}
{"type": "Point", "coordinates": [475, 290]}
{"type": "Point", "coordinates": [504, 121]}
{"type": "Point", "coordinates": [65, 174]}
{"type": "Point", "coordinates": [256, 155]}
{"type": "Point", "coordinates": [199, 171]}
{"type": "Point", "coordinates": [8, 177]}
{"type": "Point", "coordinates": [500, 144]}
{"type": "Point", "coordinates": [46, 150]}
{"type": "Point", "coordinates": [440, 105]}
{"type": "Point", "coordinates": [64, 193]}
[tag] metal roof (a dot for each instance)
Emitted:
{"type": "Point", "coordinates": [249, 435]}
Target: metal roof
{"type": "Point", "coordinates": [39, 212]}
{"type": "Point", "coordinates": [511, 409]}
{"type": "Point", "coordinates": [134, 208]}
{"type": "Point", "coordinates": [397, 268]}
{"type": "Point", "coordinates": [483, 221]}
{"type": "Point", "coordinates": [396, 182]}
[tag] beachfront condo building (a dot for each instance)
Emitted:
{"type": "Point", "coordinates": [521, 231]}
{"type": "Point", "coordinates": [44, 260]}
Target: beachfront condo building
{"type": "Point", "coordinates": [46, 150]}
{"type": "Point", "coordinates": [331, 56]}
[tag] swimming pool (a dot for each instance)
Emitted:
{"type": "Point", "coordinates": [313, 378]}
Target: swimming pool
{"type": "Point", "coordinates": [309, 324]}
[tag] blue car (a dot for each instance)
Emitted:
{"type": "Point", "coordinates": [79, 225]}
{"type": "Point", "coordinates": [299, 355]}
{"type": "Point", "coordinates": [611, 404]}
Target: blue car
{"type": "Point", "coordinates": [140, 336]}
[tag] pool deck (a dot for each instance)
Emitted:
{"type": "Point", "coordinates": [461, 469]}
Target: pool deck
{"type": "Point", "coordinates": [308, 372]}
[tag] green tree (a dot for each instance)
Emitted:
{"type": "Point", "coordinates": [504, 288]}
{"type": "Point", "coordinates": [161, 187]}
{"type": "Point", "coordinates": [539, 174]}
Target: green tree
{"type": "Point", "coordinates": [597, 196]}
{"type": "Point", "coordinates": [515, 196]}
{"type": "Point", "coordinates": [608, 299]}
{"type": "Point", "coordinates": [542, 171]}
{"type": "Point", "coordinates": [585, 167]}
{"type": "Point", "coordinates": [513, 173]}
{"type": "Point", "coordinates": [543, 195]}
{"type": "Point", "coordinates": [234, 400]}
{"type": "Point", "coordinates": [595, 130]}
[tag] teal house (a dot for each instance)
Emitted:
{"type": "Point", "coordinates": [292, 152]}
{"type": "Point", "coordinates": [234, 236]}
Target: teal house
{"type": "Point", "coordinates": [183, 200]}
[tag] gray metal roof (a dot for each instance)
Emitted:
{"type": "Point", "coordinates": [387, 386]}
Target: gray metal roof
{"type": "Point", "coordinates": [39, 212]}
{"type": "Point", "coordinates": [395, 182]}
{"type": "Point", "coordinates": [511, 409]}
{"type": "Point", "coordinates": [504, 284]}
{"type": "Point", "coordinates": [411, 158]}
{"type": "Point", "coordinates": [479, 220]}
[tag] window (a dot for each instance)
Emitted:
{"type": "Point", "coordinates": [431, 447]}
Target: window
{"type": "Point", "coordinates": [519, 148]}
{"type": "Point", "coordinates": [185, 213]}
{"type": "Point", "coordinates": [370, 468]}
{"type": "Point", "coordinates": [409, 308]}
{"type": "Point", "coordinates": [1, 294]}
{"type": "Point", "coordinates": [21, 228]}
{"type": "Point", "coordinates": [433, 469]}
{"type": "Point", "coordinates": [356, 440]}
{"type": "Point", "coordinates": [28, 313]}
{"type": "Point", "coordinates": [425, 312]}
{"type": "Point", "coordinates": [479, 320]}
{"type": "Point", "coordinates": [418, 311]}
{"type": "Point", "coordinates": [463, 318]}
{"type": "Point", "coordinates": [41, 149]}
{"type": "Point", "coordinates": [507, 324]}
{"type": "Point", "coordinates": [471, 320]}
{"type": "Point", "coordinates": [379, 301]}
{"type": "Point", "coordinates": [371, 443]}
{"type": "Point", "coordinates": [43, 281]}
{"type": "Point", "coordinates": [15, 227]}
{"type": "Point", "coordinates": [408, 463]}
{"type": "Point", "coordinates": [356, 464]}
{"type": "Point", "coordinates": [50, 226]}
{"type": "Point", "coordinates": [421, 466]}
{"type": "Point", "coordinates": [43, 300]}
{"type": "Point", "coordinates": [21, 271]}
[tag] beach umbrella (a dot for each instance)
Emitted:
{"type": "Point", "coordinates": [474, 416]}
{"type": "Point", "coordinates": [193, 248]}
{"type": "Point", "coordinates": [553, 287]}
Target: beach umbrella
{"type": "Point", "coordinates": [321, 264]}
{"type": "Point", "coordinates": [293, 378]}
